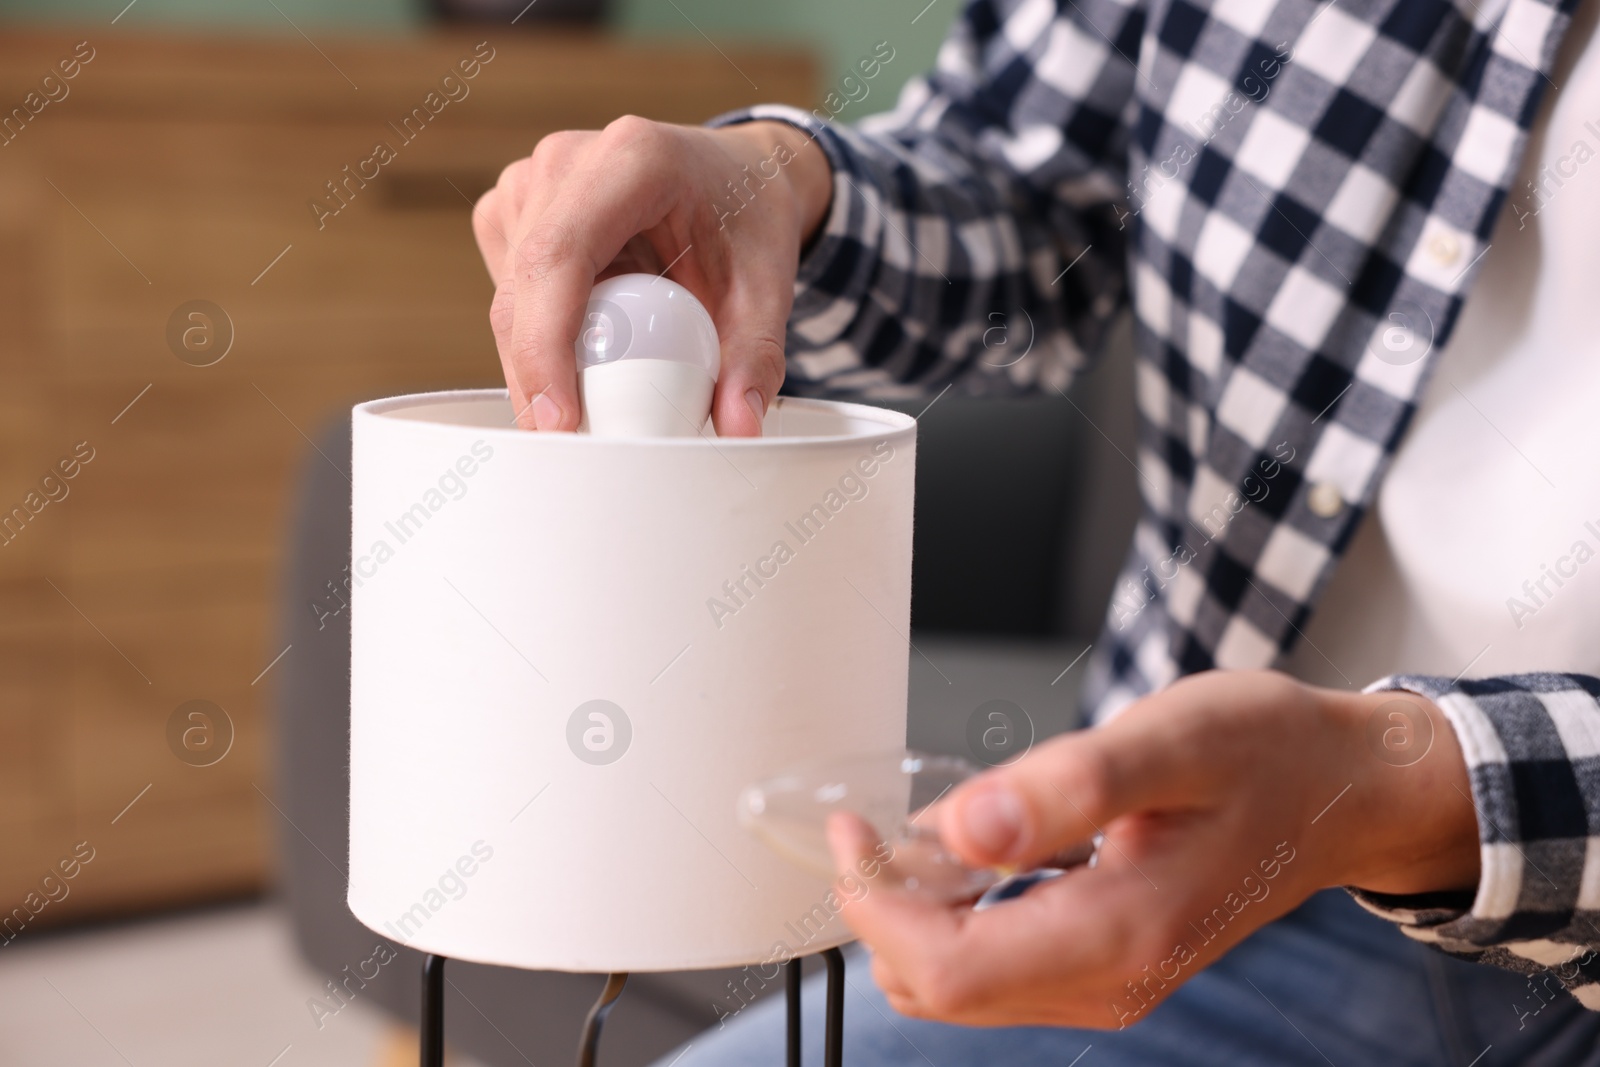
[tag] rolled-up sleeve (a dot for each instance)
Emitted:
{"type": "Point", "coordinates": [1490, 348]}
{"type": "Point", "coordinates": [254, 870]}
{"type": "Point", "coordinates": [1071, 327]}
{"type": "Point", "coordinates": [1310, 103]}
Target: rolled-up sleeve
{"type": "Point", "coordinates": [1532, 744]}
{"type": "Point", "coordinates": [976, 233]}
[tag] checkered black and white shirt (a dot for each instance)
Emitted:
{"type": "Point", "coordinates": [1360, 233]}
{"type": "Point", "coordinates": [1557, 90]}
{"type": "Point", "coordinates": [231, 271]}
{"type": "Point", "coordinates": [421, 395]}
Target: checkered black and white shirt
{"type": "Point", "coordinates": [1266, 182]}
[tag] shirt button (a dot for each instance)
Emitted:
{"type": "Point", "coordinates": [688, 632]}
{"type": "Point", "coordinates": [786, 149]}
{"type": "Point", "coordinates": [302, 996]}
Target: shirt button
{"type": "Point", "coordinates": [1324, 500]}
{"type": "Point", "coordinates": [1445, 248]}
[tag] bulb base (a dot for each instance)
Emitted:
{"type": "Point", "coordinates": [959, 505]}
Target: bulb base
{"type": "Point", "coordinates": [644, 398]}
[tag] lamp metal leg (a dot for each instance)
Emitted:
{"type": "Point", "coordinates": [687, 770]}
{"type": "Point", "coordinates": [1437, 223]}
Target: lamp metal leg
{"type": "Point", "coordinates": [792, 994]}
{"type": "Point", "coordinates": [833, 1042]}
{"type": "Point", "coordinates": [432, 1011]}
{"type": "Point", "coordinates": [590, 1041]}
{"type": "Point", "coordinates": [432, 1051]}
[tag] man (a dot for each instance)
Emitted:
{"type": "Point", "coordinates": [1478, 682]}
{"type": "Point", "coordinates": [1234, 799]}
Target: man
{"type": "Point", "coordinates": [1358, 240]}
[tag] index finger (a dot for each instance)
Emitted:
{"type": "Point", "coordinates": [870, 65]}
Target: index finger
{"type": "Point", "coordinates": [1074, 933]}
{"type": "Point", "coordinates": [622, 191]}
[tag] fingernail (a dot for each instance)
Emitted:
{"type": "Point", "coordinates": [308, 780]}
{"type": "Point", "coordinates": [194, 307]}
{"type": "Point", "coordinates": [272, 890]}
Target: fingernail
{"type": "Point", "coordinates": [546, 413]}
{"type": "Point", "coordinates": [757, 405]}
{"type": "Point", "coordinates": [993, 821]}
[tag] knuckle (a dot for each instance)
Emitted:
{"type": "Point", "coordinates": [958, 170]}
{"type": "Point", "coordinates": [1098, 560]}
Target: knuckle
{"type": "Point", "coordinates": [1278, 685]}
{"type": "Point", "coordinates": [553, 158]}
{"type": "Point", "coordinates": [511, 173]}
{"type": "Point", "coordinates": [545, 248]}
{"type": "Point", "coordinates": [484, 214]}
{"type": "Point", "coordinates": [885, 976]}
{"type": "Point", "coordinates": [767, 357]}
{"type": "Point", "coordinates": [553, 147]}
{"type": "Point", "coordinates": [631, 128]}
{"type": "Point", "coordinates": [908, 1007]}
{"type": "Point", "coordinates": [646, 142]}
{"type": "Point", "coordinates": [512, 181]}
{"type": "Point", "coordinates": [502, 310]}
{"type": "Point", "coordinates": [530, 349]}
{"type": "Point", "coordinates": [1093, 781]}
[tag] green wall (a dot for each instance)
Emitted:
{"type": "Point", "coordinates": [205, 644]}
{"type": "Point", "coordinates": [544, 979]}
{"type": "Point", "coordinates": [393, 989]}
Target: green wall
{"type": "Point", "coordinates": [204, 14]}
{"type": "Point", "coordinates": [840, 31]}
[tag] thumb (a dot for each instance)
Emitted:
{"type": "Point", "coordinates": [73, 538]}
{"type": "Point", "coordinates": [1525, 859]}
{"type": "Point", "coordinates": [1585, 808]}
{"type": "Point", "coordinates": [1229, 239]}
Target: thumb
{"type": "Point", "coordinates": [1063, 793]}
{"type": "Point", "coordinates": [754, 315]}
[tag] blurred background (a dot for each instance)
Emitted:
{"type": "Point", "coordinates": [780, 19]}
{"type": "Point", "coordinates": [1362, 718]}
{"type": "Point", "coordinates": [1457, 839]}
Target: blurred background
{"type": "Point", "coordinates": [197, 283]}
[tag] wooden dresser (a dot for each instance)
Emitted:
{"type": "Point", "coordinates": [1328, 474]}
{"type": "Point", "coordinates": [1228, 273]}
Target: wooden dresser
{"type": "Point", "coordinates": [176, 169]}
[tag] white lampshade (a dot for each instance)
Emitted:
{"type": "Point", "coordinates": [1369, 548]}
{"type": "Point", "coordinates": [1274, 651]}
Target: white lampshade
{"type": "Point", "coordinates": [570, 653]}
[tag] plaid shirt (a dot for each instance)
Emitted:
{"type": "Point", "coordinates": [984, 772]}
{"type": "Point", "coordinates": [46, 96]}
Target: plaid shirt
{"type": "Point", "coordinates": [1266, 182]}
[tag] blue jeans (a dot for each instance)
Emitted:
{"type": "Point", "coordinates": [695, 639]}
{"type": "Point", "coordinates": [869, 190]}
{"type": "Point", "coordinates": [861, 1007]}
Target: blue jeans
{"type": "Point", "coordinates": [1327, 984]}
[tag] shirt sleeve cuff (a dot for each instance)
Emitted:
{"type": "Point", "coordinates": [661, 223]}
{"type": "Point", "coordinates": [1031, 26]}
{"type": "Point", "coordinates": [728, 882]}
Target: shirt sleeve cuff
{"type": "Point", "coordinates": [1476, 735]}
{"type": "Point", "coordinates": [836, 269]}
{"type": "Point", "coordinates": [1526, 739]}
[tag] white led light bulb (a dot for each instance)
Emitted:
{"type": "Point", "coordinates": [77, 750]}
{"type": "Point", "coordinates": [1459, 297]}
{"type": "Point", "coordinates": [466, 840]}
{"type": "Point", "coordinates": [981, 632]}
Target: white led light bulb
{"type": "Point", "coordinates": [647, 359]}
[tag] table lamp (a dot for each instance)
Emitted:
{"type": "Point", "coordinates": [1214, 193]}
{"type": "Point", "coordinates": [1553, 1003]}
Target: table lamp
{"type": "Point", "coordinates": [569, 655]}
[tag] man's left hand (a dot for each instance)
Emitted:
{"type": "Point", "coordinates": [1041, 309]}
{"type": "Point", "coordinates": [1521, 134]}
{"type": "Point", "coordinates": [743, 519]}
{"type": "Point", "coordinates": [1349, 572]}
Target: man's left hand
{"type": "Point", "coordinates": [1226, 800]}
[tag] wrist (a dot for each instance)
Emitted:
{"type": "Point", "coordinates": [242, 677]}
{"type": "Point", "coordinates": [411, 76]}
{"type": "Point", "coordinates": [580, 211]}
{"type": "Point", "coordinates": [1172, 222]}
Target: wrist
{"type": "Point", "coordinates": [1415, 828]}
{"type": "Point", "coordinates": [799, 161]}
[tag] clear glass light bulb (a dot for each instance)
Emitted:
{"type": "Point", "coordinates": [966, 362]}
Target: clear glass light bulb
{"type": "Point", "coordinates": [648, 357]}
{"type": "Point", "coordinates": [880, 804]}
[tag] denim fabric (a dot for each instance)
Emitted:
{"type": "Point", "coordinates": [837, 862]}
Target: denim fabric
{"type": "Point", "coordinates": [1328, 984]}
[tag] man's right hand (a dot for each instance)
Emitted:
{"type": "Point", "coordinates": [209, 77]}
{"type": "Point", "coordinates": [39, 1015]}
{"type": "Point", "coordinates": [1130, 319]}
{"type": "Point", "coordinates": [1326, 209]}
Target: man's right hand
{"type": "Point", "coordinates": [723, 212]}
